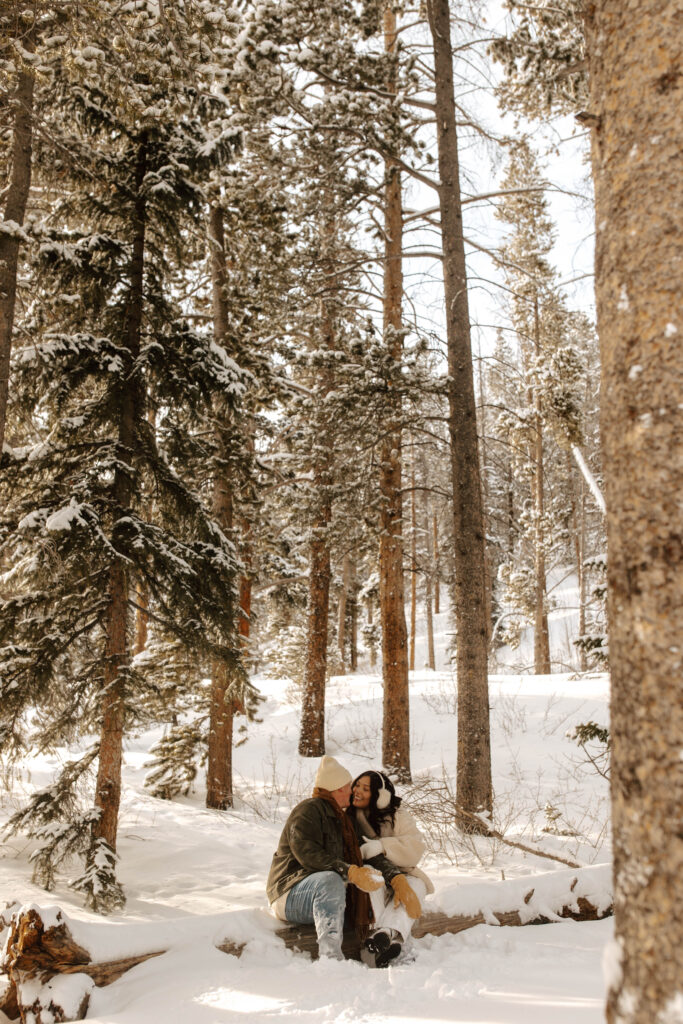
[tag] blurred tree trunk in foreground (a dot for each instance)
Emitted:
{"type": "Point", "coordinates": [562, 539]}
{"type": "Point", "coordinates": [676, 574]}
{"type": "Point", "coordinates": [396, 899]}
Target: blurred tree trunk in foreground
{"type": "Point", "coordinates": [636, 90]}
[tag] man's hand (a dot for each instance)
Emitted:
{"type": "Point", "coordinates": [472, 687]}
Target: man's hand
{"type": "Point", "coordinates": [365, 878]}
{"type": "Point", "coordinates": [405, 894]}
{"type": "Point", "coordinates": [371, 848]}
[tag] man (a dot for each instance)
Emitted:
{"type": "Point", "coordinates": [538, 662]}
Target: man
{"type": "Point", "coordinates": [317, 869]}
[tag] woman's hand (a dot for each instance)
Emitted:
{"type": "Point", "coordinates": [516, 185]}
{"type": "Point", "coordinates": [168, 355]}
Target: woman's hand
{"type": "Point", "coordinates": [405, 894]}
{"type": "Point", "coordinates": [371, 848]}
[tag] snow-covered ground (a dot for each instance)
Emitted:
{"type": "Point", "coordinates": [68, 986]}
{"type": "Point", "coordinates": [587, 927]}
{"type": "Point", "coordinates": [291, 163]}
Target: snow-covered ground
{"type": "Point", "coordinates": [194, 877]}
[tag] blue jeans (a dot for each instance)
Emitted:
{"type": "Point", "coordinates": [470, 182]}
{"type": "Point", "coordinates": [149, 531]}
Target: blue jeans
{"type": "Point", "coordinates": [320, 899]}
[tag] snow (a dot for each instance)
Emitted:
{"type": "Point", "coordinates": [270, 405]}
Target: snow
{"type": "Point", "coordinates": [33, 519]}
{"type": "Point", "coordinates": [673, 1011]}
{"type": "Point", "coordinates": [194, 877]}
{"type": "Point", "coordinates": [611, 965]}
{"type": "Point", "coordinates": [64, 990]}
{"type": "Point", "coordinates": [14, 230]}
{"type": "Point", "coordinates": [64, 518]}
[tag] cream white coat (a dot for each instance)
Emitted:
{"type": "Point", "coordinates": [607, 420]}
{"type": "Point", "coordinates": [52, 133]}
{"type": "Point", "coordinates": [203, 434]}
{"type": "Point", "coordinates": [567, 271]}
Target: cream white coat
{"type": "Point", "coordinates": [402, 843]}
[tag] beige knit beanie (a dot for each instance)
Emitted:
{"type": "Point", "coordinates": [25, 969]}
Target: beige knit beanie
{"type": "Point", "coordinates": [331, 775]}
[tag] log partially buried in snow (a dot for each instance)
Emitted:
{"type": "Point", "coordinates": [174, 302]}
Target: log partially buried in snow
{"type": "Point", "coordinates": [584, 894]}
{"type": "Point", "coordinates": [51, 975]}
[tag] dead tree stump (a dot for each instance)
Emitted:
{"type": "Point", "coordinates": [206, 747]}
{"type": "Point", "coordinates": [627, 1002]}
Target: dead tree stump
{"type": "Point", "coordinates": [38, 953]}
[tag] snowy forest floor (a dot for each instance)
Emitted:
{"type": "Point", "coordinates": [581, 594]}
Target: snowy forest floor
{"type": "Point", "coordinates": [194, 876]}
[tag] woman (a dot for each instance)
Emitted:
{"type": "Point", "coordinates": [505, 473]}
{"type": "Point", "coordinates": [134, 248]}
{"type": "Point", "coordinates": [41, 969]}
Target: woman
{"type": "Point", "coordinates": [386, 829]}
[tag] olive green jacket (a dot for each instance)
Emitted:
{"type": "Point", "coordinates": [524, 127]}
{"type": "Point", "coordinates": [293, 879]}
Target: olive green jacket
{"type": "Point", "coordinates": [312, 841]}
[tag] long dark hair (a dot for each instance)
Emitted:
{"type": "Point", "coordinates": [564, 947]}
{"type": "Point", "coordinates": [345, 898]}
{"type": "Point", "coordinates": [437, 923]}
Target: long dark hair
{"type": "Point", "coordinates": [375, 815]}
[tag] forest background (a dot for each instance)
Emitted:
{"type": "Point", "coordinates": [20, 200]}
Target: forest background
{"type": "Point", "coordinates": [288, 345]}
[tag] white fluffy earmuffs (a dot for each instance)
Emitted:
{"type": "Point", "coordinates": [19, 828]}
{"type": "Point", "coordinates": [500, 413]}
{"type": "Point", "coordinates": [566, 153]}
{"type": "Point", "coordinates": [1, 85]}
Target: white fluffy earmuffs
{"type": "Point", "coordinates": [384, 795]}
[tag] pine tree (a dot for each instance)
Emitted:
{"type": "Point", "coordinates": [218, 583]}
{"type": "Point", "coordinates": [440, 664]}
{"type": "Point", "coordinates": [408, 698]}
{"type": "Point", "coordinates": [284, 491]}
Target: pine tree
{"type": "Point", "coordinates": [470, 600]}
{"type": "Point", "coordinates": [136, 139]}
{"type": "Point", "coordinates": [544, 57]}
{"type": "Point", "coordinates": [530, 277]}
{"type": "Point", "coordinates": [396, 702]}
{"type": "Point", "coordinates": [18, 64]}
{"type": "Point", "coordinates": [543, 413]}
{"type": "Point", "coordinates": [350, 118]}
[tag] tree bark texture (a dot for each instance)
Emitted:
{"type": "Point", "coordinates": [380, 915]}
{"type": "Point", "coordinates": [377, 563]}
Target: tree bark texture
{"type": "Point", "coordinates": [141, 616]}
{"type": "Point", "coordinates": [222, 707]}
{"type": "Point", "coordinates": [245, 612]}
{"type": "Point", "coordinates": [635, 62]}
{"type": "Point", "coordinates": [15, 209]}
{"type": "Point", "coordinates": [474, 746]}
{"type": "Point", "coordinates": [117, 657]}
{"type": "Point", "coordinates": [396, 704]}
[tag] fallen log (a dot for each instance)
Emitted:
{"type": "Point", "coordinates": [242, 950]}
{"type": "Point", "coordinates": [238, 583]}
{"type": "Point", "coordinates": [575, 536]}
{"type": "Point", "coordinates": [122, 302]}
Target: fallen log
{"type": "Point", "coordinates": [51, 976]}
{"type": "Point", "coordinates": [303, 938]}
{"type": "Point", "coordinates": [582, 895]}
{"type": "Point", "coordinates": [441, 924]}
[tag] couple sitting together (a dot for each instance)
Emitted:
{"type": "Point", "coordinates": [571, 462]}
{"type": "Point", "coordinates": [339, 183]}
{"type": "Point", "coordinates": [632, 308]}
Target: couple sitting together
{"type": "Point", "coordinates": [350, 849]}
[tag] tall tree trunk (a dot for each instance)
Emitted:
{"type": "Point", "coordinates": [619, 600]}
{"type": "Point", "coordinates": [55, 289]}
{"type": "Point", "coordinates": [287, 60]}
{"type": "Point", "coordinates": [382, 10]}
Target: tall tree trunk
{"type": "Point", "coordinates": [485, 498]}
{"type": "Point", "coordinates": [636, 77]}
{"type": "Point", "coordinates": [219, 783]}
{"type": "Point", "coordinates": [312, 727]}
{"type": "Point", "coordinates": [108, 785]}
{"type": "Point", "coordinates": [429, 611]}
{"type": "Point", "coordinates": [396, 704]}
{"type": "Point", "coordinates": [429, 606]}
{"type": "Point", "coordinates": [474, 787]}
{"type": "Point", "coordinates": [579, 537]}
{"type": "Point", "coordinates": [413, 564]}
{"type": "Point", "coordinates": [15, 209]}
{"type": "Point", "coordinates": [373, 652]}
{"type": "Point", "coordinates": [541, 632]}
{"type": "Point", "coordinates": [510, 510]}
{"type": "Point", "coordinates": [141, 617]}
{"type": "Point", "coordinates": [312, 730]}
{"type": "Point", "coordinates": [219, 787]}
{"type": "Point", "coordinates": [246, 580]}
{"type": "Point", "coordinates": [341, 610]}
{"type": "Point", "coordinates": [353, 660]}
{"type": "Point", "coordinates": [141, 587]}
{"type": "Point", "coordinates": [437, 564]}
{"type": "Point", "coordinates": [245, 606]}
